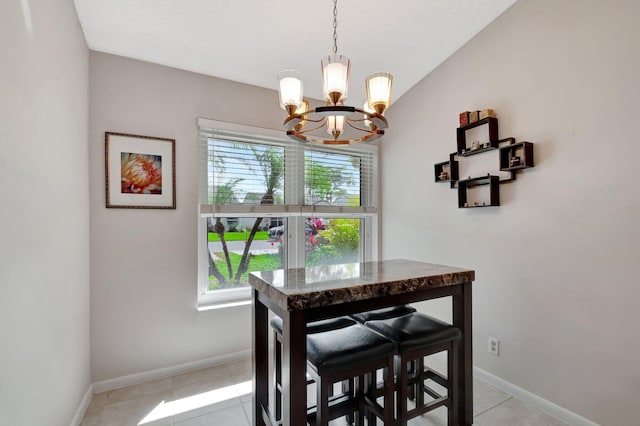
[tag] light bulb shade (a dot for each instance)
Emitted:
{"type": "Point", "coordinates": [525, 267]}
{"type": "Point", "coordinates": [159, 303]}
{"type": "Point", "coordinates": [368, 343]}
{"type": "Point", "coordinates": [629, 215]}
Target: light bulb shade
{"type": "Point", "coordinates": [290, 90]}
{"type": "Point", "coordinates": [379, 91]}
{"type": "Point", "coordinates": [367, 108]}
{"type": "Point", "coordinates": [335, 125]}
{"type": "Point", "coordinates": [304, 107]}
{"type": "Point", "coordinates": [335, 78]}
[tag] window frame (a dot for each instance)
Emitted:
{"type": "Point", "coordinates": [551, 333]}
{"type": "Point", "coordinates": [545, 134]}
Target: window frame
{"type": "Point", "coordinates": [294, 211]}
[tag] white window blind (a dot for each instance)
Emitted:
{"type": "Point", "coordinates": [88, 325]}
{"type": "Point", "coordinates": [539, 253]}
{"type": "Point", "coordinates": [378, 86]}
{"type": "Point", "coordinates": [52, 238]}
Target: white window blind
{"type": "Point", "coordinates": [270, 175]}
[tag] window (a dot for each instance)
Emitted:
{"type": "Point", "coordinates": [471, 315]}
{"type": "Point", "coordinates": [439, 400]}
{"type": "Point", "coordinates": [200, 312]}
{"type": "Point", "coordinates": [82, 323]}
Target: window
{"type": "Point", "coordinates": [267, 202]}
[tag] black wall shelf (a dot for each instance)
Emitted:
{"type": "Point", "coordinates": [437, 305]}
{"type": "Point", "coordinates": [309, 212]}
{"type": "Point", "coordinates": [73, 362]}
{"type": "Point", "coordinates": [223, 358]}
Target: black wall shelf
{"type": "Point", "coordinates": [450, 168]}
{"type": "Point", "coordinates": [492, 143]}
{"type": "Point", "coordinates": [492, 200]}
{"type": "Point", "coordinates": [516, 156]}
{"type": "Point", "coordinates": [512, 157]}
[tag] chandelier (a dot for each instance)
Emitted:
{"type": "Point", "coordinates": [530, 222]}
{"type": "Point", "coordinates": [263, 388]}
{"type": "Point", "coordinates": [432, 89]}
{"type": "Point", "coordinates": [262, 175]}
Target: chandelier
{"type": "Point", "coordinates": [368, 121]}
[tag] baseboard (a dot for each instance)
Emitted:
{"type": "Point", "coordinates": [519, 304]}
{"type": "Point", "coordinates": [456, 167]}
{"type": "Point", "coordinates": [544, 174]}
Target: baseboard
{"type": "Point", "coordinates": [145, 376]}
{"type": "Point", "coordinates": [542, 404]}
{"type": "Point", "coordinates": [82, 408]}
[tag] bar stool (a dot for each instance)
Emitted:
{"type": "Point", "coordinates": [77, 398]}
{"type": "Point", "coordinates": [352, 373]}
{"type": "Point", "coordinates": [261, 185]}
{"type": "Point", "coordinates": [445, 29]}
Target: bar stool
{"type": "Point", "coordinates": [312, 328]}
{"type": "Point", "coordinates": [416, 336]}
{"type": "Point", "coordinates": [386, 313]}
{"type": "Point", "coordinates": [340, 350]}
{"type": "Point", "coordinates": [353, 352]}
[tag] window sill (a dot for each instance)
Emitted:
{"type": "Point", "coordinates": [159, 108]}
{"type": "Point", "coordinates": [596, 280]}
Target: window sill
{"type": "Point", "coordinates": [223, 305]}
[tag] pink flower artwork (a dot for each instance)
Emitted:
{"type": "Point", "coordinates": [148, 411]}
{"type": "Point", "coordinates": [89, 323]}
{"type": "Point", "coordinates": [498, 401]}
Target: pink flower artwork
{"type": "Point", "coordinates": [141, 173]}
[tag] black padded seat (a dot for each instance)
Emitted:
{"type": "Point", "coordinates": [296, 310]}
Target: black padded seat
{"type": "Point", "coordinates": [352, 353]}
{"type": "Point", "coordinates": [416, 336]}
{"type": "Point", "coordinates": [414, 330]}
{"type": "Point", "coordinates": [384, 313]}
{"type": "Point", "coordinates": [342, 349]}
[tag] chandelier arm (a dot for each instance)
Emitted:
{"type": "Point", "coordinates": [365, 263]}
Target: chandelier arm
{"type": "Point", "coordinates": [322, 124]}
{"type": "Point", "coordinates": [319, 120]}
{"type": "Point", "coordinates": [378, 119]}
{"type": "Point", "coordinates": [358, 128]}
{"type": "Point", "coordinates": [296, 119]}
{"type": "Point", "coordinates": [370, 114]}
{"type": "Point", "coordinates": [366, 138]}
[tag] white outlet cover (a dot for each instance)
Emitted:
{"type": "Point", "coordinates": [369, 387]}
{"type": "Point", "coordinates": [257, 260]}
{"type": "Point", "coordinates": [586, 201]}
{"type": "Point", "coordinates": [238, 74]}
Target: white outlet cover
{"type": "Point", "coordinates": [494, 346]}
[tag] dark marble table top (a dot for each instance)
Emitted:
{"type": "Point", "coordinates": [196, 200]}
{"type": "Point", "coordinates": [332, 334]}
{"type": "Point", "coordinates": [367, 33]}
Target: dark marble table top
{"type": "Point", "coordinates": [305, 288]}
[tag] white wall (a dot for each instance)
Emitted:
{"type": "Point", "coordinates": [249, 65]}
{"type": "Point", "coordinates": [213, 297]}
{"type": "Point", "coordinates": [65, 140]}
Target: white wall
{"type": "Point", "coordinates": [44, 213]}
{"type": "Point", "coordinates": [555, 264]}
{"type": "Point", "coordinates": [143, 276]}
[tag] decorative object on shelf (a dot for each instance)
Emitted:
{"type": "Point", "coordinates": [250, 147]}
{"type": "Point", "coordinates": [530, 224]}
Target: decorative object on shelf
{"type": "Point", "coordinates": [513, 156]}
{"type": "Point", "coordinates": [447, 171]}
{"type": "Point", "coordinates": [492, 143]}
{"type": "Point", "coordinates": [486, 113]}
{"type": "Point", "coordinates": [140, 171]}
{"type": "Point", "coordinates": [335, 73]}
{"type": "Point", "coordinates": [516, 156]}
{"type": "Point", "coordinates": [473, 116]}
{"type": "Point", "coordinates": [464, 118]}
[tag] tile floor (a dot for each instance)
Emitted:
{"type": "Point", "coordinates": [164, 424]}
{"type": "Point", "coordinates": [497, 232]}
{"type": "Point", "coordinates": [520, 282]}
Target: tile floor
{"type": "Point", "coordinates": [221, 395]}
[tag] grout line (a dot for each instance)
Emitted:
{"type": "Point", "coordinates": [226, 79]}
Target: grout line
{"type": "Point", "coordinates": [491, 408]}
{"type": "Point", "coordinates": [247, 415]}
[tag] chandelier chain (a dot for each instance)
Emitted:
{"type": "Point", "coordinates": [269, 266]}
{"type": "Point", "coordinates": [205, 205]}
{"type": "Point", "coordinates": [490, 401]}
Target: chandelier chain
{"type": "Point", "coordinates": [335, 27]}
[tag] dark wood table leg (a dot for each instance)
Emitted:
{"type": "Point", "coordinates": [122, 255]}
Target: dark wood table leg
{"type": "Point", "coordinates": [294, 369]}
{"type": "Point", "coordinates": [260, 361]}
{"type": "Point", "coordinates": [462, 320]}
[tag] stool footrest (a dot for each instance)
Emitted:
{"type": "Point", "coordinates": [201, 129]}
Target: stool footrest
{"type": "Point", "coordinates": [435, 376]}
{"type": "Point", "coordinates": [339, 406]}
{"type": "Point", "coordinates": [432, 405]}
{"type": "Point", "coordinates": [429, 374]}
{"type": "Point", "coordinates": [373, 406]}
{"type": "Point", "coordinates": [432, 393]}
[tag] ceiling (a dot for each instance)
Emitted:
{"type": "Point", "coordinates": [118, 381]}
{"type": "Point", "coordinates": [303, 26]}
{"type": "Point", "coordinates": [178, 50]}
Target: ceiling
{"type": "Point", "coordinates": [250, 41]}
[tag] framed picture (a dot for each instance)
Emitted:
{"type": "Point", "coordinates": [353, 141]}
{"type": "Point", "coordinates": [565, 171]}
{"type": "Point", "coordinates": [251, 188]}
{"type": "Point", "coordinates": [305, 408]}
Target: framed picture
{"type": "Point", "coordinates": [140, 171]}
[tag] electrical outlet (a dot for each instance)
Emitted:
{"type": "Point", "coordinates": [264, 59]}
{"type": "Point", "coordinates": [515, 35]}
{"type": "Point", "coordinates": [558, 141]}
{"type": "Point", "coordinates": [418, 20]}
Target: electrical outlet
{"type": "Point", "coordinates": [494, 346]}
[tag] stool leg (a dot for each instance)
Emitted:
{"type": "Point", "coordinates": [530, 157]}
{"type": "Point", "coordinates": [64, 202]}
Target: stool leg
{"type": "Point", "coordinates": [402, 392]}
{"type": "Point", "coordinates": [322, 401]}
{"type": "Point", "coordinates": [419, 383]}
{"type": "Point", "coordinates": [370, 389]}
{"type": "Point", "coordinates": [359, 395]}
{"type": "Point", "coordinates": [277, 359]}
{"type": "Point", "coordinates": [452, 382]}
{"type": "Point", "coordinates": [348, 388]}
{"type": "Point", "coordinates": [389, 385]}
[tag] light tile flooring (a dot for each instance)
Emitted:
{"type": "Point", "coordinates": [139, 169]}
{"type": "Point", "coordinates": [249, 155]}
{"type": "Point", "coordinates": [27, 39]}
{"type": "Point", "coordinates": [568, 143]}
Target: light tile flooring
{"type": "Point", "coordinates": [221, 395]}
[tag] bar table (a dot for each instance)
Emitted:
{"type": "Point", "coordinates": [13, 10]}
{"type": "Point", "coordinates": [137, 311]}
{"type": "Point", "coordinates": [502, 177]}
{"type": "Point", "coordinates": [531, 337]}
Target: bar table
{"type": "Point", "coordinates": [302, 295]}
